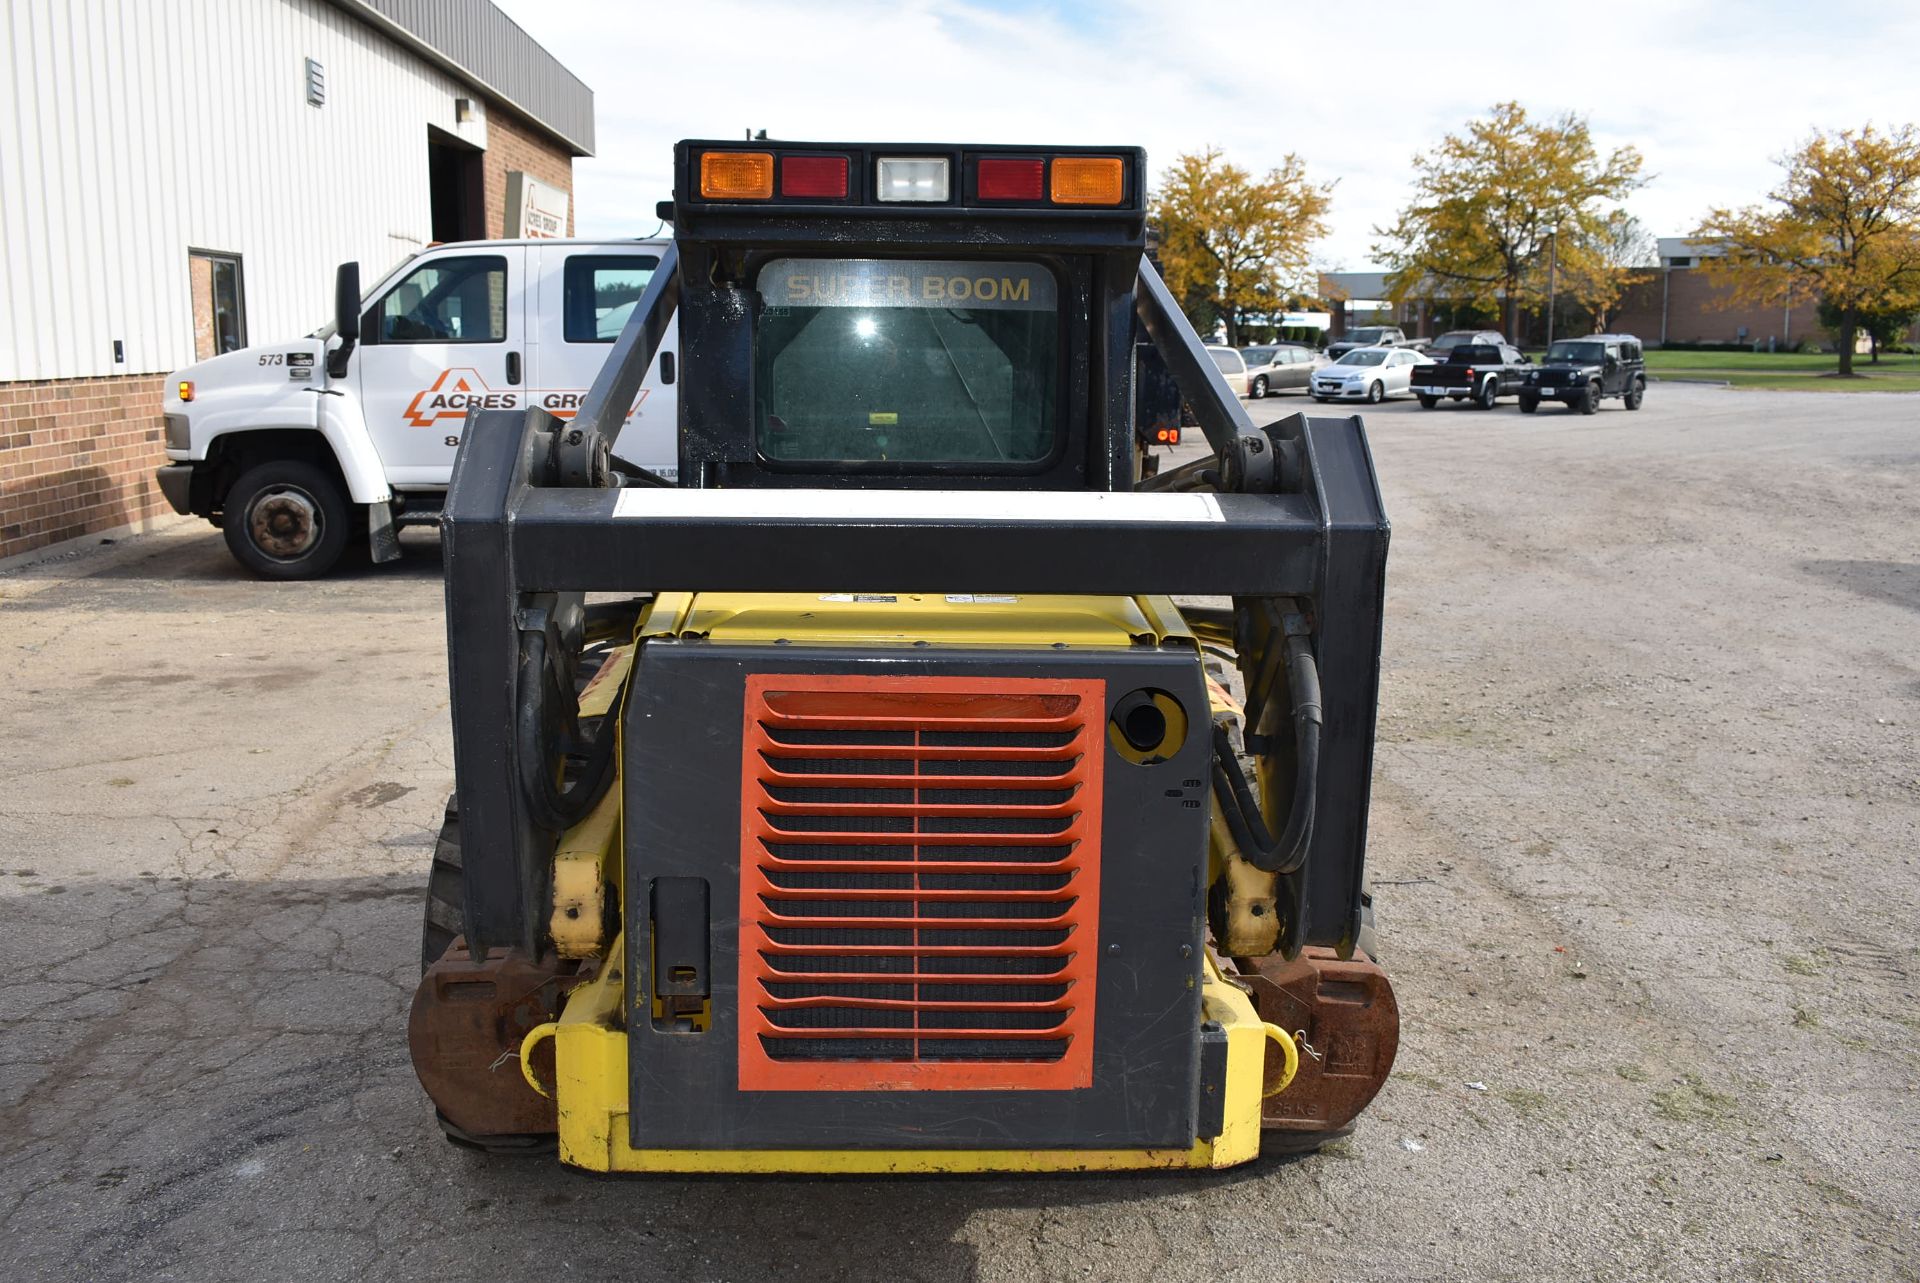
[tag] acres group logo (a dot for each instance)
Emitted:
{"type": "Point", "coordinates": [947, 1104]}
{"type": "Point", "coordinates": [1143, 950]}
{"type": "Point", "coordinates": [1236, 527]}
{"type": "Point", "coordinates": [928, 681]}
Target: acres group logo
{"type": "Point", "coordinates": [460, 389]}
{"type": "Point", "coordinates": [452, 394]}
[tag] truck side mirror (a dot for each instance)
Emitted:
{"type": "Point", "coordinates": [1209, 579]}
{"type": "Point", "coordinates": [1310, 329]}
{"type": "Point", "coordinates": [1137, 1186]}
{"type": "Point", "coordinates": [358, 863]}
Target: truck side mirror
{"type": "Point", "coordinates": [346, 317]}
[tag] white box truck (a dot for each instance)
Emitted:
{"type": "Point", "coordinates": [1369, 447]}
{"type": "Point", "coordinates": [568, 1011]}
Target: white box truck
{"type": "Point", "coordinates": [296, 449]}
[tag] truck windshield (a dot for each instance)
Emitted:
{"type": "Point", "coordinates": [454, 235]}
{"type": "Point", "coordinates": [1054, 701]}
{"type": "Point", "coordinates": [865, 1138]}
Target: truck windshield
{"type": "Point", "coordinates": [906, 361]}
{"type": "Point", "coordinates": [1366, 335]}
{"type": "Point", "coordinates": [1578, 353]}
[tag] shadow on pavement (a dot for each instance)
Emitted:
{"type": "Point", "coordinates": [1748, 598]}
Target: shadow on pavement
{"type": "Point", "coordinates": [201, 1067]}
{"type": "Point", "coordinates": [202, 556]}
{"type": "Point", "coordinates": [1892, 581]}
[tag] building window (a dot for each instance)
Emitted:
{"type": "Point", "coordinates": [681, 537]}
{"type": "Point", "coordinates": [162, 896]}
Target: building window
{"type": "Point", "coordinates": [601, 291]}
{"type": "Point", "coordinates": [1680, 262]}
{"type": "Point", "coordinates": [219, 303]}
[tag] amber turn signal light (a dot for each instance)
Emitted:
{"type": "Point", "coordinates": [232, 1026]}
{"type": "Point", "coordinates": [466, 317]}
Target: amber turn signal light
{"type": "Point", "coordinates": [736, 175]}
{"type": "Point", "coordinates": [1089, 180]}
{"type": "Point", "coordinates": [186, 389]}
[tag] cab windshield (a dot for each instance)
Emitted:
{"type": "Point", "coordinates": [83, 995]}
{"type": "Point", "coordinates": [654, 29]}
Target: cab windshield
{"type": "Point", "coordinates": [1577, 353]}
{"type": "Point", "coordinates": [906, 361]}
{"type": "Point", "coordinates": [1371, 334]}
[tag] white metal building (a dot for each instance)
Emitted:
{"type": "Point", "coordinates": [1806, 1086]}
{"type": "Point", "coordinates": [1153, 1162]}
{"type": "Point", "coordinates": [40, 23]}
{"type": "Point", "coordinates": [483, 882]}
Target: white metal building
{"type": "Point", "coordinates": [180, 178]}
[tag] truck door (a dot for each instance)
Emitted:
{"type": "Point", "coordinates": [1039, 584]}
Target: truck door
{"type": "Point", "coordinates": [447, 337]}
{"type": "Point", "coordinates": [586, 295]}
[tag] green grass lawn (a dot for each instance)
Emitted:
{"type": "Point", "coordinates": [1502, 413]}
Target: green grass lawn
{"type": "Point", "coordinates": [1798, 371]}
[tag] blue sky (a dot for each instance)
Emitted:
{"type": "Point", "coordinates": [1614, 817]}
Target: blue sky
{"type": "Point", "coordinates": [1709, 92]}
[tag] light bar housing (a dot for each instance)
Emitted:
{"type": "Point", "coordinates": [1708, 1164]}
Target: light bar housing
{"type": "Point", "coordinates": [911, 180]}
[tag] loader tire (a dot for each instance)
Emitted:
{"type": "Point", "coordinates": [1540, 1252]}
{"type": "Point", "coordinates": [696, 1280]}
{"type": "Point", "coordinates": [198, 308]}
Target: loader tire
{"type": "Point", "coordinates": [446, 893]}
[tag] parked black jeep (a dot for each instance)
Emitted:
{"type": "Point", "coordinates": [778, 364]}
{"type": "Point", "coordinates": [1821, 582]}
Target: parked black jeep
{"type": "Point", "coordinates": [1581, 372]}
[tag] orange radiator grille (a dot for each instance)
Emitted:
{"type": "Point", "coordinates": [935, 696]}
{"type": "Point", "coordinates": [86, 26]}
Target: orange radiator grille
{"type": "Point", "coordinates": [919, 882]}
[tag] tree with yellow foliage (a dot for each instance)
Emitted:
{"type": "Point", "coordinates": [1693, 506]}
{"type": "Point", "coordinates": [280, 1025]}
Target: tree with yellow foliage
{"type": "Point", "coordinates": [1487, 201]}
{"type": "Point", "coordinates": [1233, 244]}
{"type": "Point", "coordinates": [1843, 226]}
{"type": "Point", "coordinates": [1595, 273]}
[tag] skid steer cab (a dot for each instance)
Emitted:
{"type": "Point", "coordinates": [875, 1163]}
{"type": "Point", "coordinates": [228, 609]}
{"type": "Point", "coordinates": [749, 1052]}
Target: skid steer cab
{"type": "Point", "coordinates": [910, 784]}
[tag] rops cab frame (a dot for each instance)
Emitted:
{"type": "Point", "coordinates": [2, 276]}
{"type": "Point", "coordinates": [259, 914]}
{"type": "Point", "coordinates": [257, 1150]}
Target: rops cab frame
{"type": "Point", "coordinates": [866, 799]}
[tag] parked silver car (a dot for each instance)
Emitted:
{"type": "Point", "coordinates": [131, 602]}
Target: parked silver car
{"type": "Point", "coordinates": [1277, 367]}
{"type": "Point", "coordinates": [1367, 374]}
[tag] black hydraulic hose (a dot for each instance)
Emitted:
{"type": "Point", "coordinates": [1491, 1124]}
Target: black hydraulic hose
{"type": "Point", "coordinates": [1287, 853]}
{"type": "Point", "coordinates": [548, 805]}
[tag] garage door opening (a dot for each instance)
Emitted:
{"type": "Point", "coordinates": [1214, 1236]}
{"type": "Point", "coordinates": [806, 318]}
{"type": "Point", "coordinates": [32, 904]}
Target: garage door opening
{"type": "Point", "coordinates": [456, 188]}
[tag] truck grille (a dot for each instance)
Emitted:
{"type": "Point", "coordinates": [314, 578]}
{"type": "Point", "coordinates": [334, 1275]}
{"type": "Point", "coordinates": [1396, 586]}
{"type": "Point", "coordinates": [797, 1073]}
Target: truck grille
{"type": "Point", "coordinates": [919, 882]}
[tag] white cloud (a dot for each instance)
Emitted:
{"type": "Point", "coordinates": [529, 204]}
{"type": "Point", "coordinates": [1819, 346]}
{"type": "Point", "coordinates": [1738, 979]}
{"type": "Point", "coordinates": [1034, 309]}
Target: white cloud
{"type": "Point", "coordinates": [1710, 92]}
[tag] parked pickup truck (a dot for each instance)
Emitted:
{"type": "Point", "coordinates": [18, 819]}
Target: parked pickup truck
{"type": "Point", "coordinates": [296, 449]}
{"type": "Point", "coordinates": [1477, 372]}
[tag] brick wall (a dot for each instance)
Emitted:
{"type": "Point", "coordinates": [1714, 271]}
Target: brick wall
{"type": "Point", "coordinates": [1695, 314]}
{"type": "Point", "coordinates": [77, 457]}
{"type": "Point", "coordinates": [513, 144]}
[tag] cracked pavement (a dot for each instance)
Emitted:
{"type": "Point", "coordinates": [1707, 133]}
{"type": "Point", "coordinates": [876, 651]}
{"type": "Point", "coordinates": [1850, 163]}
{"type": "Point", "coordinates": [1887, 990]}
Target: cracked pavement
{"type": "Point", "coordinates": [1645, 830]}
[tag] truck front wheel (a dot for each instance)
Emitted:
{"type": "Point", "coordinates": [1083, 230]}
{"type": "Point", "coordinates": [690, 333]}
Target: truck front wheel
{"type": "Point", "coordinates": [286, 519]}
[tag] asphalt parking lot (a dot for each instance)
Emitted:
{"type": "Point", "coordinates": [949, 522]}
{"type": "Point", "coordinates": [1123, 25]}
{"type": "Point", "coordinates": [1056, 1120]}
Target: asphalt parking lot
{"type": "Point", "coordinates": [1646, 823]}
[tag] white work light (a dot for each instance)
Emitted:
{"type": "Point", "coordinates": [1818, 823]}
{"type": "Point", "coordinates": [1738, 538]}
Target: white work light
{"type": "Point", "coordinates": [911, 178]}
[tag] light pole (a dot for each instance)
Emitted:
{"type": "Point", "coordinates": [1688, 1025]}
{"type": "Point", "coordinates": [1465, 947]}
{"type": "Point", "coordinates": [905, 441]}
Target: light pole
{"type": "Point", "coordinates": [1553, 273]}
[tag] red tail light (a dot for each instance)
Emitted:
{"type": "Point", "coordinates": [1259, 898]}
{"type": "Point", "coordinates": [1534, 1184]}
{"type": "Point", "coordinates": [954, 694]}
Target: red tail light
{"type": "Point", "coordinates": [816, 176]}
{"type": "Point", "coordinates": [1007, 179]}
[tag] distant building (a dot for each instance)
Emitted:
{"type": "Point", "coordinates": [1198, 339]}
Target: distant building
{"type": "Point", "coordinates": [1672, 302]}
{"type": "Point", "coordinates": [180, 181]}
{"type": "Point", "coordinates": [1676, 303]}
{"type": "Point", "coordinates": [1360, 298]}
